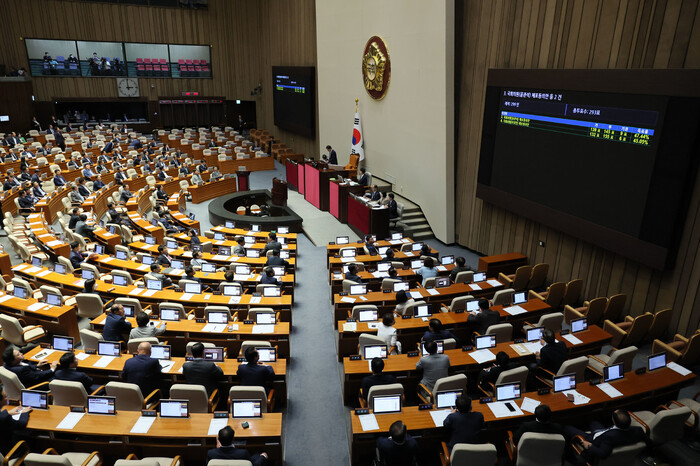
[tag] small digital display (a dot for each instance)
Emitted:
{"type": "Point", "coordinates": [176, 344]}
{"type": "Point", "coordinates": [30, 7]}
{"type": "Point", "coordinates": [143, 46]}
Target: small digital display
{"type": "Point", "coordinates": [267, 353]}
{"type": "Point", "coordinates": [174, 408]}
{"type": "Point", "coordinates": [101, 404]}
{"type": "Point", "coordinates": [34, 399]}
{"type": "Point", "coordinates": [241, 409]}
{"type": "Point", "coordinates": [265, 318]}
{"type": "Point", "coordinates": [272, 292]}
{"type": "Point", "coordinates": [154, 285]}
{"type": "Point", "coordinates": [232, 290]}
{"type": "Point", "coordinates": [440, 348]}
{"type": "Point", "coordinates": [170, 314]}
{"type": "Point", "coordinates": [63, 343]}
{"type": "Point", "coordinates": [193, 288]}
{"type": "Point", "coordinates": [422, 310]}
{"type": "Point", "coordinates": [611, 373]}
{"type": "Point", "coordinates": [564, 382]}
{"type": "Point", "coordinates": [108, 348]}
{"type": "Point", "coordinates": [217, 317]}
{"type": "Point", "coordinates": [448, 399]}
{"type": "Point", "coordinates": [579, 325]}
{"type": "Point", "coordinates": [509, 391]}
{"type": "Point", "coordinates": [485, 341]}
{"type": "Point", "coordinates": [374, 351]}
{"type": "Point", "coordinates": [369, 315]}
{"type": "Point", "coordinates": [386, 404]}
{"type": "Point", "coordinates": [358, 289]}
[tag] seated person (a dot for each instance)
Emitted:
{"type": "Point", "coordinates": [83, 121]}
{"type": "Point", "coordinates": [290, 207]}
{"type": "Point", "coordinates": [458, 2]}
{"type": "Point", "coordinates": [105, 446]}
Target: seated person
{"type": "Point", "coordinates": [275, 259]}
{"type": "Point", "coordinates": [194, 239]}
{"type": "Point", "coordinates": [74, 217]}
{"type": "Point", "coordinates": [164, 258]}
{"type": "Point", "coordinates": [82, 189]}
{"type": "Point", "coordinates": [268, 278]}
{"type": "Point", "coordinates": [541, 424]}
{"type": "Point", "coordinates": [37, 191]}
{"type": "Point", "coordinates": [463, 425]}
{"type": "Point", "coordinates": [378, 377]}
{"type": "Point", "coordinates": [352, 274]}
{"type": "Point", "coordinates": [58, 179]}
{"type": "Point", "coordinates": [68, 370]}
{"type": "Point", "coordinates": [434, 366]}
{"type": "Point", "coordinates": [239, 249]}
{"type": "Point", "coordinates": [553, 353]}
{"type": "Point", "coordinates": [369, 244]}
{"type": "Point", "coordinates": [226, 451]}
{"type": "Point", "coordinates": [254, 372]}
{"type": "Point", "coordinates": [215, 174]}
{"type": "Point", "coordinates": [436, 332]}
{"type": "Point", "coordinates": [202, 372]}
{"type": "Point", "coordinates": [190, 275]}
{"type": "Point", "coordinates": [125, 195]}
{"type": "Point", "coordinates": [428, 270]}
{"type": "Point", "coordinates": [387, 331]}
{"type": "Point", "coordinates": [393, 207]}
{"type": "Point", "coordinates": [155, 271]}
{"type": "Point", "coordinates": [28, 373]}
{"type": "Point", "coordinates": [98, 184]}
{"type": "Point", "coordinates": [402, 302]}
{"type": "Point", "coordinates": [83, 229]}
{"type": "Point", "coordinates": [116, 324]}
{"type": "Point", "coordinates": [142, 370]}
{"type": "Point", "coordinates": [75, 197]}
{"type": "Point", "coordinates": [399, 449]}
{"type": "Point", "coordinates": [389, 256]}
{"type": "Point", "coordinates": [114, 215]}
{"type": "Point", "coordinates": [425, 250]}
{"type": "Point", "coordinates": [490, 374]}
{"type": "Point", "coordinates": [364, 178]}
{"type": "Point", "coordinates": [484, 317]}
{"type": "Point", "coordinates": [374, 194]}
{"type": "Point", "coordinates": [459, 267]}
{"type": "Point", "coordinates": [197, 260]}
{"type": "Point", "coordinates": [143, 330]}
{"type": "Point", "coordinates": [12, 430]}
{"type": "Point", "coordinates": [272, 243]}
{"type": "Point", "coordinates": [25, 200]}
{"type": "Point", "coordinates": [76, 257]}
{"type": "Point", "coordinates": [600, 442]}
{"type": "Point", "coordinates": [161, 195]}
{"type": "Point", "coordinates": [196, 178]}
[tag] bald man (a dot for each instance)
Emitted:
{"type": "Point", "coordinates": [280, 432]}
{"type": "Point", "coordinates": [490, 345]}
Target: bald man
{"type": "Point", "coordinates": [142, 370]}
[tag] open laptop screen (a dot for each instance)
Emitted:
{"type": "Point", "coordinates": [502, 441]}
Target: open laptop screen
{"type": "Point", "coordinates": [422, 310]}
{"type": "Point", "coordinates": [564, 382]}
{"type": "Point", "coordinates": [160, 352]}
{"type": "Point", "coordinates": [447, 260]}
{"type": "Point", "coordinates": [217, 317]}
{"type": "Point", "coordinates": [534, 334]}
{"type": "Point", "coordinates": [342, 239]}
{"type": "Point", "coordinates": [101, 404]}
{"type": "Point", "coordinates": [174, 408]}
{"type": "Point", "coordinates": [508, 391]}
{"type": "Point", "coordinates": [485, 341]}
{"type": "Point", "coordinates": [170, 314]}
{"type": "Point", "coordinates": [447, 399]}
{"type": "Point", "coordinates": [232, 290]}
{"type": "Point", "coordinates": [611, 373]}
{"type": "Point", "coordinates": [386, 404]}
{"type": "Point", "coordinates": [656, 361]}
{"type": "Point", "coordinates": [479, 277]}
{"type": "Point", "coordinates": [108, 348]}
{"type": "Point", "coordinates": [440, 347]}
{"type": "Point", "coordinates": [34, 399]}
{"type": "Point", "coordinates": [358, 289]}
{"type": "Point", "coordinates": [63, 343]}
{"type": "Point", "coordinates": [154, 285]}
{"type": "Point", "coordinates": [194, 288]}
{"type": "Point", "coordinates": [369, 315]}
{"type": "Point", "coordinates": [579, 325]}
{"type": "Point", "coordinates": [267, 353]}
{"type": "Point", "coordinates": [215, 354]}
{"type": "Point", "coordinates": [520, 297]}
{"type": "Point", "coordinates": [245, 409]}
{"type": "Point", "coordinates": [375, 351]}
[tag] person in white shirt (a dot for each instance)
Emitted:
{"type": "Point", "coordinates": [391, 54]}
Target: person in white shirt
{"type": "Point", "coordinates": [402, 302]}
{"type": "Point", "coordinates": [386, 331]}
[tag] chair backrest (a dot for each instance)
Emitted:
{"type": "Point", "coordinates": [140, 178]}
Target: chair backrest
{"type": "Point", "coordinates": [68, 393]}
{"type": "Point", "coordinates": [123, 249]}
{"type": "Point", "coordinates": [95, 271]}
{"type": "Point", "coordinates": [668, 425]}
{"type": "Point", "coordinates": [388, 283]}
{"type": "Point", "coordinates": [122, 273]}
{"type": "Point", "coordinates": [624, 355]}
{"type": "Point", "coordinates": [551, 321]}
{"type": "Point", "coordinates": [195, 394]}
{"type": "Point", "coordinates": [460, 302]}
{"type": "Point", "coordinates": [13, 387]}
{"type": "Point", "coordinates": [368, 339]}
{"type": "Point", "coordinates": [408, 310]}
{"type": "Point", "coordinates": [12, 330]}
{"type": "Point", "coordinates": [691, 352]}
{"type": "Point", "coordinates": [128, 395]}
{"type": "Point", "coordinates": [188, 348]}
{"type": "Point", "coordinates": [253, 313]}
{"type": "Point", "coordinates": [503, 297]}
{"type": "Point", "coordinates": [658, 327]}
{"type": "Point", "coordinates": [575, 366]}
{"type": "Point", "coordinates": [90, 339]}
{"type": "Point", "coordinates": [464, 277]}
{"type": "Point", "coordinates": [573, 292]}
{"type": "Point", "coordinates": [89, 305]}
{"type": "Point", "coordinates": [614, 308]}
{"type": "Point", "coordinates": [555, 294]}
{"type": "Point", "coordinates": [503, 332]}
{"type": "Point", "coordinates": [522, 277]}
{"type": "Point", "coordinates": [640, 327]}
{"type": "Point", "coordinates": [133, 344]}
{"type": "Point", "coordinates": [38, 459]}
{"type": "Point", "coordinates": [249, 393]}
{"type": "Point", "coordinates": [467, 453]}
{"type": "Point", "coordinates": [596, 308]}
{"type": "Point", "coordinates": [130, 302]}
{"type": "Point", "coordinates": [383, 390]}
{"type": "Point", "coordinates": [536, 449]}
{"type": "Point", "coordinates": [362, 307]}
{"type": "Point", "coordinates": [623, 455]}
{"type": "Point", "coordinates": [253, 344]}
{"type": "Point", "coordinates": [519, 374]}
{"type": "Point", "coordinates": [228, 463]}
{"type": "Point", "coordinates": [429, 282]}
{"type": "Point", "coordinates": [347, 284]}
{"type": "Point", "coordinates": [538, 276]}
{"type": "Point", "coordinates": [451, 382]}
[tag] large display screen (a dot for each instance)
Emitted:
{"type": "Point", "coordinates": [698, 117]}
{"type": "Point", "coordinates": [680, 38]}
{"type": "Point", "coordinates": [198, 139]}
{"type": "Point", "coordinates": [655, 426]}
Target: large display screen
{"type": "Point", "coordinates": [611, 168]}
{"type": "Point", "coordinates": [293, 98]}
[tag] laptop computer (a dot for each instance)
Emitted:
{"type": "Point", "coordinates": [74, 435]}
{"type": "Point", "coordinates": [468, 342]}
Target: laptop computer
{"type": "Point", "coordinates": [217, 317]}
{"type": "Point", "coordinates": [174, 408]}
{"type": "Point", "coordinates": [479, 277]}
{"type": "Point", "coordinates": [231, 290]}
{"type": "Point", "coordinates": [242, 409]}
{"type": "Point", "coordinates": [442, 282]}
{"type": "Point", "coordinates": [154, 285]}
{"type": "Point", "coordinates": [447, 260]}
{"type": "Point", "coordinates": [440, 347]}
{"type": "Point", "coordinates": [386, 404]}
{"type": "Point", "coordinates": [215, 354]}
{"type": "Point", "coordinates": [168, 314]}
{"type": "Point", "coordinates": [108, 348]}
{"type": "Point", "coordinates": [422, 310]}
{"type": "Point", "coordinates": [368, 315]}
{"type": "Point", "coordinates": [612, 373]}
{"type": "Point", "coordinates": [564, 382]}
{"type": "Point", "coordinates": [267, 353]}
{"type": "Point", "coordinates": [358, 289]}
{"type": "Point", "coordinates": [53, 299]}
{"type": "Point", "coordinates": [656, 361]}
{"type": "Point", "coordinates": [520, 297]}
{"type": "Point", "coordinates": [342, 240]}
{"type": "Point", "coordinates": [534, 334]}
{"type": "Point", "coordinates": [62, 343]}
{"type": "Point", "coordinates": [447, 399]}
{"type": "Point", "coordinates": [34, 399]}
{"type": "Point", "coordinates": [272, 291]}
{"type": "Point", "coordinates": [401, 286]}
{"type": "Point", "coordinates": [265, 318]}
{"type": "Point", "coordinates": [101, 404]}
{"type": "Point", "coordinates": [374, 351]}
{"type": "Point", "coordinates": [579, 325]}
{"type": "Point", "coordinates": [161, 352]}
{"type": "Point", "coordinates": [193, 288]}
{"type": "Point", "coordinates": [485, 342]}
{"type": "Point", "coordinates": [472, 305]}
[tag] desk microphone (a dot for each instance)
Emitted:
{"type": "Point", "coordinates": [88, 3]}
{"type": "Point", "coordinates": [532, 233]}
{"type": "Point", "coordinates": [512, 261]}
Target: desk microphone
{"type": "Point", "coordinates": [111, 289]}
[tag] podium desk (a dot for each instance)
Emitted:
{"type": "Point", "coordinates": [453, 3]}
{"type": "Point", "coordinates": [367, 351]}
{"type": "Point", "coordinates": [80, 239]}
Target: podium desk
{"type": "Point", "coordinates": [366, 220]}
{"type": "Point", "coordinates": [501, 263]}
{"type": "Point", "coordinates": [338, 198]}
{"type": "Point", "coordinates": [292, 172]}
{"type": "Point", "coordinates": [316, 189]}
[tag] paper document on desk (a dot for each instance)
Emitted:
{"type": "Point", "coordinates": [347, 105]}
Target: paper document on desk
{"type": "Point", "coordinates": [363, 298]}
{"type": "Point", "coordinates": [44, 235]}
{"type": "Point", "coordinates": [79, 282]}
{"type": "Point", "coordinates": [258, 329]}
{"type": "Point", "coordinates": [107, 260]}
{"type": "Point", "coordinates": [70, 421]}
{"type": "Point", "coordinates": [144, 267]}
{"type": "Point", "coordinates": [432, 291]}
{"type": "Point", "coordinates": [572, 339]}
{"type": "Point", "coordinates": [345, 299]}
{"type": "Point", "coordinates": [43, 354]}
{"type": "Point", "coordinates": [529, 405]}
{"type": "Point", "coordinates": [373, 325]}
{"type": "Point", "coordinates": [368, 422]}
{"type": "Point", "coordinates": [678, 368]}
{"type": "Point", "coordinates": [166, 365]}
{"type": "Point", "coordinates": [347, 259]}
{"type": "Point", "coordinates": [54, 243]}
{"type": "Point", "coordinates": [179, 273]}
{"type": "Point", "coordinates": [337, 276]}
{"type": "Point", "coordinates": [20, 267]}
{"type": "Point", "coordinates": [415, 294]}
{"type": "Point", "coordinates": [409, 253]}
{"type": "Point", "coordinates": [609, 390]}
{"type": "Point", "coordinates": [5, 298]}
{"type": "Point", "coordinates": [33, 270]}
{"type": "Point", "coordinates": [533, 346]}
{"type": "Point", "coordinates": [500, 409]}
{"type": "Point", "coordinates": [43, 273]}
{"type": "Point", "coordinates": [149, 292]}
{"type": "Point", "coordinates": [135, 291]}
{"type": "Point", "coordinates": [515, 310]}
{"type": "Point", "coordinates": [143, 424]}
{"type": "Point", "coordinates": [104, 361]}
{"type": "Point", "coordinates": [482, 356]}
{"type": "Point", "coordinates": [214, 328]}
{"type": "Point", "coordinates": [439, 416]}
{"type": "Point", "coordinates": [441, 268]}
{"type": "Point", "coordinates": [350, 327]}
{"type": "Point", "coordinates": [215, 425]}
{"type": "Point", "coordinates": [240, 278]}
{"type": "Point", "coordinates": [186, 296]}
{"type": "Point", "coordinates": [35, 306]}
{"type": "Point", "coordinates": [494, 283]}
{"type": "Point", "coordinates": [219, 257]}
{"type": "Point", "coordinates": [519, 348]}
{"type": "Point", "coordinates": [234, 300]}
{"type": "Point", "coordinates": [395, 241]}
{"type": "Point", "coordinates": [474, 286]}
{"type": "Point", "coordinates": [578, 398]}
{"type": "Point", "coordinates": [255, 300]}
{"type": "Point", "coordinates": [81, 356]}
{"type": "Point", "coordinates": [232, 258]}
{"type": "Point", "coordinates": [380, 274]}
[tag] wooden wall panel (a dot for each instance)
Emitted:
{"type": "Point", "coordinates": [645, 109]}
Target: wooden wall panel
{"type": "Point", "coordinates": [247, 38]}
{"type": "Point", "coordinates": [572, 34]}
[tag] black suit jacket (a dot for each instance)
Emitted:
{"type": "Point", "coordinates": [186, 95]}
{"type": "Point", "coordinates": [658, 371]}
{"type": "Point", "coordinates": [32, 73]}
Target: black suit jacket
{"type": "Point", "coordinates": [115, 327]}
{"type": "Point", "coordinates": [30, 375]}
{"type": "Point", "coordinates": [484, 319]}
{"type": "Point", "coordinates": [233, 453]}
{"type": "Point", "coordinates": [38, 192]}
{"type": "Point", "coordinates": [8, 426]}
{"type": "Point", "coordinates": [201, 372]}
{"type": "Point", "coordinates": [463, 427]}
{"type": "Point", "coordinates": [397, 455]}
{"type": "Point", "coordinates": [363, 180]}
{"type": "Point", "coordinates": [73, 375]}
{"type": "Point", "coordinates": [163, 260]}
{"type": "Point", "coordinates": [393, 209]}
{"type": "Point", "coordinates": [143, 371]}
{"type": "Point", "coordinates": [255, 375]}
{"type": "Point", "coordinates": [537, 428]}
{"type": "Point", "coordinates": [276, 260]}
{"type": "Point", "coordinates": [333, 158]}
{"type": "Point", "coordinates": [552, 356]}
{"type": "Point", "coordinates": [376, 379]}
{"type": "Point", "coordinates": [603, 446]}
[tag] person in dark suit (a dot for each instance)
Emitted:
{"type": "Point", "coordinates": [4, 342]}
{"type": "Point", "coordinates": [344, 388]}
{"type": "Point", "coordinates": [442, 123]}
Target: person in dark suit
{"type": "Point", "coordinates": [553, 353]}
{"type": "Point", "coordinates": [82, 189]}
{"type": "Point", "coordinates": [25, 201]}
{"type": "Point", "coordinates": [165, 280]}
{"type": "Point", "coordinates": [37, 190]}
{"type": "Point", "coordinates": [273, 259]}
{"type": "Point", "coordinates": [254, 372]}
{"type": "Point", "coordinates": [374, 194]}
{"type": "Point", "coordinates": [600, 442]}
{"type": "Point", "coordinates": [364, 178]}
{"type": "Point", "coordinates": [76, 257]}
{"type": "Point", "coordinates": [459, 267]}
{"type": "Point", "coordinates": [194, 239]}
{"type": "Point", "coordinates": [108, 148]}
{"type": "Point", "coordinates": [161, 175]}
{"type": "Point", "coordinates": [68, 370]}
{"type": "Point", "coordinates": [484, 317]}
{"type": "Point", "coordinates": [436, 332]}
{"type": "Point", "coordinates": [392, 206]}
{"type": "Point", "coordinates": [12, 430]}
{"type": "Point", "coordinates": [98, 184]}
{"type": "Point", "coordinates": [116, 324]}
{"type": "Point", "coordinates": [541, 424]}
{"type": "Point", "coordinates": [164, 258]}
{"type": "Point", "coordinates": [10, 182]}
{"type": "Point", "coordinates": [490, 374]}
{"type": "Point", "coordinates": [463, 425]}
{"type": "Point", "coordinates": [268, 278]}
{"type": "Point", "coordinates": [399, 449]}
{"type": "Point", "coordinates": [142, 370]}
{"type": "Point", "coordinates": [83, 229]}
{"type": "Point", "coordinates": [378, 377]}
{"type": "Point", "coordinates": [201, 372]}
{"type": "Point", "coordinates": [272, 243]}
{"type": "Point", "coordinates": [332, 156]}
{"type": "Point", "coordinates": [29, 374]}
{"type": "Point", "coordinates": [352, 274]}
{"type": "Point", "coordinates": [369, 244]}
{"type": "Point", "coordinates": [161, 195]}
{"type": "Point", "coordinates": [25, 176]}
{"type": "Point", "coordinates": [36, 176]}
{"type": "Point", "coordinates": [74, 217]}
{"type": "Point", "coordinates": [125, 195]}
{"type": "Point", "coordinates": [58, 179]}
{"type": "Point", "coordinates": [226, 451]}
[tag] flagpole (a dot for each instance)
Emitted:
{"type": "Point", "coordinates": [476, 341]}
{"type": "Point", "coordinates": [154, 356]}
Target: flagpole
{"type": "Point", "coordinates": [356, 101]}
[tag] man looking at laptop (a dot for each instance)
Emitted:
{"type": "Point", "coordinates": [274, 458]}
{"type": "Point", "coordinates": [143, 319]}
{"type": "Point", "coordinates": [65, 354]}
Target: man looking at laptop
{"type": "Point", "coordinates": [377, 378]}
{"type": "Point", "coordinates": [226, 451]}
{"type": "Point", "coordinates": [434, 367]}
{"type": "Point", "coordinates": [255, 373]}
{"type": "Point", "coordinates": [202, 372]}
